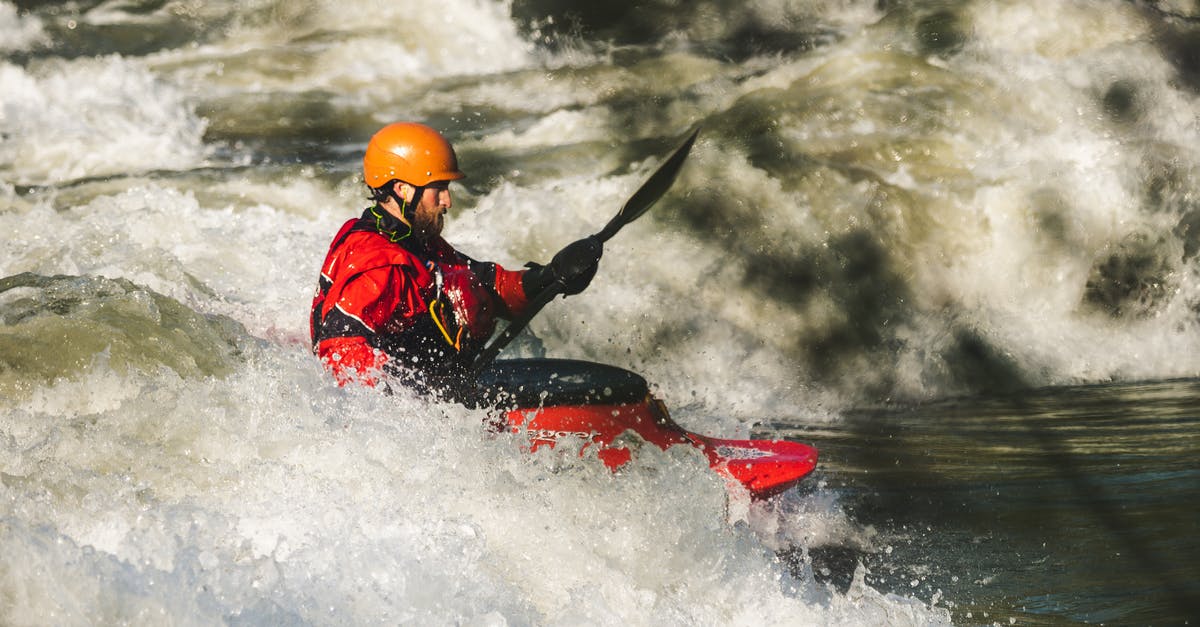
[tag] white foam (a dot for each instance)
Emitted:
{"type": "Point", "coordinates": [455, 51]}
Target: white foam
{"type": "Point", "coordinates": [19, 32]}
{"type": "Point", "coordinates": [359, 51]}
{"type": "Point", "coordinates": [274, 493]}
{"type": "Point", "coordinates": [64, 120]}
{"type": "Point", "coordinates": [1054, 29]}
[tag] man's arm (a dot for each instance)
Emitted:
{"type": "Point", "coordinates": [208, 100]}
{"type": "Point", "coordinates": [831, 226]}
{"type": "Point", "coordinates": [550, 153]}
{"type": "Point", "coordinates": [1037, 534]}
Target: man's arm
{"type": "Point", "coordinates": [349, 332]}
{"type": "Point", "coordinates": [573, 267]}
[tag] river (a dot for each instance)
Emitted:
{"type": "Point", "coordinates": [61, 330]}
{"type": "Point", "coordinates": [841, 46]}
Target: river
{"type": "Point", "coordinates": [955, 245]}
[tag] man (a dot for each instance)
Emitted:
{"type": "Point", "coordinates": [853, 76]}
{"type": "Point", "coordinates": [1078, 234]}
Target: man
{"type": "Point", "coordinates": [394, 297]}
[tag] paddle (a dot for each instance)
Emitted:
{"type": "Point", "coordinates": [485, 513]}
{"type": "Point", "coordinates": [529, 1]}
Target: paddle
{"type": "Point", "coordinates": [638, 204]}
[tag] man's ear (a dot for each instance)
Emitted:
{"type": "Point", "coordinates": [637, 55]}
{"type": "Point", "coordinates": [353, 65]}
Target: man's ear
{"type": "Point", "coordinates": [405, 191]}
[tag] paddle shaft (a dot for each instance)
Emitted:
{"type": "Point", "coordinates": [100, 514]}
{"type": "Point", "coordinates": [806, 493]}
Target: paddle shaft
{"type": "Point", "coordinates": [655, 186]}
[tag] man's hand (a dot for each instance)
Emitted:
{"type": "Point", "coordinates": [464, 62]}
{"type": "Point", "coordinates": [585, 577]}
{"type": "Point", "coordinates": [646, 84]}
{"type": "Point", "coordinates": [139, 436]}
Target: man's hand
{"type": "Point", "coordinates": [576, 264]}
{"type": "Point", "coordinates": [572, 267]}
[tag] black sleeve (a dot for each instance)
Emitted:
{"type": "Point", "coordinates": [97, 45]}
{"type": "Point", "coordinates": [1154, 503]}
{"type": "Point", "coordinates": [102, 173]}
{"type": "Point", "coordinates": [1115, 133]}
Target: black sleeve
{"type": "Point", "coordinates": [485, 271]}
{"type": "Point", "coordinates": [339, 324]}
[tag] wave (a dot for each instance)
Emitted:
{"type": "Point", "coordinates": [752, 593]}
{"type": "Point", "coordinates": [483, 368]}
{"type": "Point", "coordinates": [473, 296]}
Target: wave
{"type": "Point", "coordinates": [62, 326]}
{"type": "Point", "coordinates": [66, 120]}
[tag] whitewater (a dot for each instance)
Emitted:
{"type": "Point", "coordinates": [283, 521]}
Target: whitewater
{"type": "Point", "coordinates": [908, 232]}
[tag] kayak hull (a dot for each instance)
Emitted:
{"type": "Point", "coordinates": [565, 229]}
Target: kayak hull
{"type": "Point", "coordinates": [551, 400]}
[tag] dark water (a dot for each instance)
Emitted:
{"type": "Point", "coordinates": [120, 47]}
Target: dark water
{"type": "Point", "coordinates": [1076, 505]}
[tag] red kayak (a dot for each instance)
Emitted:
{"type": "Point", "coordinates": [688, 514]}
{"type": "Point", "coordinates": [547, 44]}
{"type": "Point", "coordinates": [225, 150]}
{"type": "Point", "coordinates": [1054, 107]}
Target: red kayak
{"type": "Point", "coordinates": [551, 399]}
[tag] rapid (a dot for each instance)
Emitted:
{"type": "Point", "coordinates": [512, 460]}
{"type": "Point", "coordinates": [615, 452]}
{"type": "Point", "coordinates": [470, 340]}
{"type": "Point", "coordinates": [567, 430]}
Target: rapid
{"type": "Point", "coordinates": [955, 245]}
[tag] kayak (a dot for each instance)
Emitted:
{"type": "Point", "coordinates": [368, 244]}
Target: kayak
{"type": "Point", "coordinates": [549, 400]}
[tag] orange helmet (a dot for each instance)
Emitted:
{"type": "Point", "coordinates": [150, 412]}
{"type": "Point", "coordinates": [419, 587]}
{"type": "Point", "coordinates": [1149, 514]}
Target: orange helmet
{"type": "Point", "coordinates": [411, 152]}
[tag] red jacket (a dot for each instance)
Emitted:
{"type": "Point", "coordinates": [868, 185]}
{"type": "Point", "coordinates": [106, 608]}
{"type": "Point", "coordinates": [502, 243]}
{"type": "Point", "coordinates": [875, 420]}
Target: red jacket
{"type": "Point", "coordinates": [388, 302]}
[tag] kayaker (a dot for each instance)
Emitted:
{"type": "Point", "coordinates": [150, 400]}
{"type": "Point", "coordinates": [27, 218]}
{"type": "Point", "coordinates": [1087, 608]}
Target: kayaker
{"type": "Point", "coordinates": [394, 298]}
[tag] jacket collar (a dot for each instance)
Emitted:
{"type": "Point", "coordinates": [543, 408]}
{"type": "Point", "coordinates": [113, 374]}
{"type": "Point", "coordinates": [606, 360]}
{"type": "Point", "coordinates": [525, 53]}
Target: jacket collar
{"type": "Point", "coordinates": [380, 221]}
{"type": "Point", "coordinates": [389, 226]}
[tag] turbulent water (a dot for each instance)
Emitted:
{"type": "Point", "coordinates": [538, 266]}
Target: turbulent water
{"type": "Point", "coordinates": [955, 244]}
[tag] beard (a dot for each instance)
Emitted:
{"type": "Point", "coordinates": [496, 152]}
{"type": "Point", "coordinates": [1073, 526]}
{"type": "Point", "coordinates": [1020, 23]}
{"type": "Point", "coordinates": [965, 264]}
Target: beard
{"type": "Point", "coordinates": [427, 226]}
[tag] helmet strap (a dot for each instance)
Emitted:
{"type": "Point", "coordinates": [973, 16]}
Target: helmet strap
{"type": "Point", "coordinates": [409, 211]}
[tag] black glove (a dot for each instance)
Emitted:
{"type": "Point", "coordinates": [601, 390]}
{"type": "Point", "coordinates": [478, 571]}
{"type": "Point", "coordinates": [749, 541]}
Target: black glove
{"type": "Point", "coordinates": [573, 267]}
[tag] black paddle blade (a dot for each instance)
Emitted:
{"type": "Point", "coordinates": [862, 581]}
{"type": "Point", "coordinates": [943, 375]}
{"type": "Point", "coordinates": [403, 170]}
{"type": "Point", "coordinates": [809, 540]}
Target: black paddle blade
{"type": "Point", "coordinates": [651, 190]}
